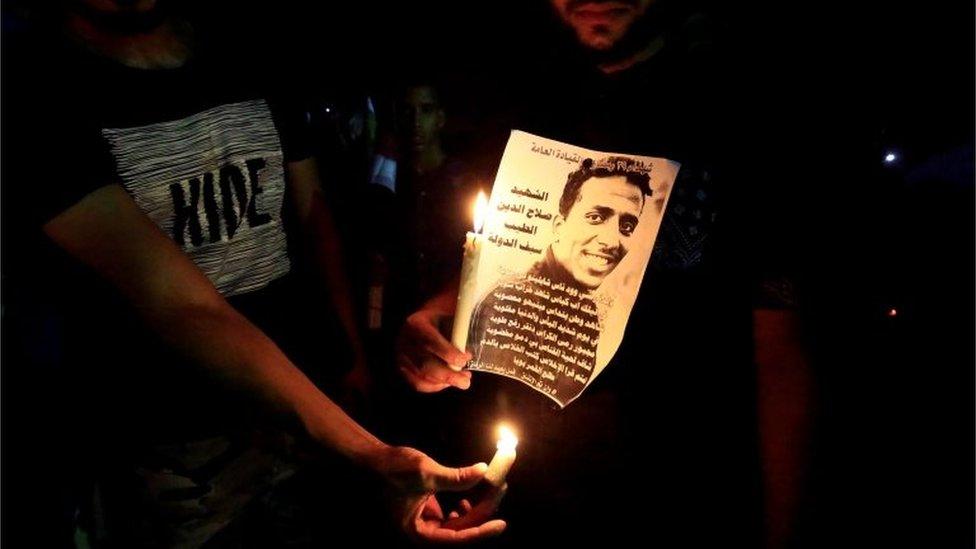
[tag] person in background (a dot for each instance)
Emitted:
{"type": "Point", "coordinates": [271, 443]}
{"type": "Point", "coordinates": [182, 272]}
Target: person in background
{"type": "Point", "coordinates": [413, 262]}
{"type": "Point", "coordinates": [431, 185]}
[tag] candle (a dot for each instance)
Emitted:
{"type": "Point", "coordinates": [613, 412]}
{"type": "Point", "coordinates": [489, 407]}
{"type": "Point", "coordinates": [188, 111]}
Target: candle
{"type": "Point", "coordinates": [504, 457]}
{"type": "Point", "coordinates": [467, 289]}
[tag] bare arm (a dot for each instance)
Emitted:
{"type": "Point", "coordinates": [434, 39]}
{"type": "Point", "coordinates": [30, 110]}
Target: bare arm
{"type": "Point", "coordinates": [107, 232]}
{"type": "Point", "coordinates": [785, 400]}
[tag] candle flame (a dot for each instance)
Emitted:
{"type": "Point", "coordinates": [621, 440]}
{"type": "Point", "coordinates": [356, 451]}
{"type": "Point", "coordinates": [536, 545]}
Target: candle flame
{"type": "Point", "coordinates": [480, 211]}
{"type": "Point", "coordinates": [506, 438]}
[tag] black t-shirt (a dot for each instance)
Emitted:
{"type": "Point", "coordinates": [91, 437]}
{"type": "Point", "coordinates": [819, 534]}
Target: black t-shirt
{"type": "Point", "coordinates": [201, 149]}
{"type": "Point", "coordinates": [662, 444]}
{"type": "Point", "coordinates": [432, 224]}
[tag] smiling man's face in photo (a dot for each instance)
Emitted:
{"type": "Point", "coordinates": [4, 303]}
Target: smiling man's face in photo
{"type": "Point", "coordinates": [594, 235]}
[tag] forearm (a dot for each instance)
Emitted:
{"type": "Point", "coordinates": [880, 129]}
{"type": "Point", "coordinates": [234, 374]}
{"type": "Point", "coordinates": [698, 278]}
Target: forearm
{"type": "Point", "coordinates": [784, 407]}
{"type": "Point", "coordinates": [321, 243]}
{"type": "Point", "coordinates": [324, 241]}
{"type": "Point", "coordinates": [235, 351]}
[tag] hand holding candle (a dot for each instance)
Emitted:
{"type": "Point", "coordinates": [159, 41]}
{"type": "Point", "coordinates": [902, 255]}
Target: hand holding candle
{"type": "Point", "coordinates": [467, 289]}
{"type": "Point", "coordinates": [504, 457]}
{"type": "Point", "coordinates": [493, 489]}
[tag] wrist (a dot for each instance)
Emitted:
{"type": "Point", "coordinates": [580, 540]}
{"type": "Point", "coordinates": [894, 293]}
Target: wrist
{"type": "Point", "coordinates": [444, 303]}
{"type": "Point", "coordinates": [332, 429]}
{"type": "Point", "coordinates": [377, 459]}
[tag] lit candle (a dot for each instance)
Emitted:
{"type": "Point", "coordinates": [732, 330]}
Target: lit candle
{"type": "Point", "coordinates": [504, 457]}
{"type": "Point", "coordinates": [469, 275]}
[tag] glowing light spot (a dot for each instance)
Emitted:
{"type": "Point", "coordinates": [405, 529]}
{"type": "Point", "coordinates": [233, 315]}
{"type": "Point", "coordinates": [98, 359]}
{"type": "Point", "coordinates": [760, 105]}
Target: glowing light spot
{"type": "Point", "coordinates": [506, 438]}
{"type": "Point", "coordinates": [480, 211]}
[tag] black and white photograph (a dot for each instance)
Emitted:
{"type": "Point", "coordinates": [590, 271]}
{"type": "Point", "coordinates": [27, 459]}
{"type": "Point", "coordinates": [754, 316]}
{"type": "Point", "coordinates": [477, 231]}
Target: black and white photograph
{"type": "Point", "coordinates": [567, 238]}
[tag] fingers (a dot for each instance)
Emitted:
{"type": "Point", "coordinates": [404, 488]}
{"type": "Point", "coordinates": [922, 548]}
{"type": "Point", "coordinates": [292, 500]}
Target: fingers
{"type": "Point", "coordinates": [439, 374]}
{"type": "Point", "coordinates": [432, 509]}
{"type": "Point", "coordinates": [481, 512]}
{"type": "Point", "coordinates": [431, 375]}
{"type": "Point", "coordinates": [421, 383]}
{"type": "Point", "coordinates": [468, 524]}
{"type": "Point", "coordinates": [454, 479]}
{"type": "Point", "coordinates": [444, 350]}
{"type": "Point", "coordinates": [433, 532]}
{"type": "Point", "coordinates": [465, 507]}
{"type": "Point", "coordinates": [434, 359]}
{"type": "Point", "coordinates": [424, 327]}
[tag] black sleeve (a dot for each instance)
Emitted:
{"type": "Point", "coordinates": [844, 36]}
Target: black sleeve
{"type": "Point", "coordinates": [53, 157]}
{"type": "Point", "coordinates": [771, 234]}
{"type": "Point", "coordinates": [292, 119]}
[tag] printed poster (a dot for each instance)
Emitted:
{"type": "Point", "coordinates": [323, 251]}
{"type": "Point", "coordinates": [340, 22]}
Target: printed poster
{"type": "Point", "coordinates": [566, 242]}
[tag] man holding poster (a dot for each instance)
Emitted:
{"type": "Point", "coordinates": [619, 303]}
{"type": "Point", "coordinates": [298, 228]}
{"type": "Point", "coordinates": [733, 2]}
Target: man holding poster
{"type": "Point", "coordinates": [554, 349]}
{"type": "Point", "coordinates": [702, 412]}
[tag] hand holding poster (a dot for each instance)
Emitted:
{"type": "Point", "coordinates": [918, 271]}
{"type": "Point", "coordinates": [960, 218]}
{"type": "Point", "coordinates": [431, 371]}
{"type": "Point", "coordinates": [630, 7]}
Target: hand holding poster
{"type": "Point", "coordinates": [567, 239]}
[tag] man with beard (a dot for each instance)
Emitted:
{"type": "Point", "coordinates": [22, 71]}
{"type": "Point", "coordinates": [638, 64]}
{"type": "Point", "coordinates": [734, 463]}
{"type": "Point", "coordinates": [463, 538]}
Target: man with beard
{"type": "Point", "coordinates": [704, 411]}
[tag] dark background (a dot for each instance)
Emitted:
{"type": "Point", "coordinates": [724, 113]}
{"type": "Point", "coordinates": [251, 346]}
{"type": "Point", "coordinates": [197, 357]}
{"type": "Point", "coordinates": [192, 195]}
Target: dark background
{"type": "Point", "coordinates": [842, 85]}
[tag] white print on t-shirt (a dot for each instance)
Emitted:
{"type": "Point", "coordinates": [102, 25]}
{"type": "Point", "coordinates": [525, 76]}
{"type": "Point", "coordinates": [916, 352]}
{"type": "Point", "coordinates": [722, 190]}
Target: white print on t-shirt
{"type": "Point", "coordinates": [214, 182]}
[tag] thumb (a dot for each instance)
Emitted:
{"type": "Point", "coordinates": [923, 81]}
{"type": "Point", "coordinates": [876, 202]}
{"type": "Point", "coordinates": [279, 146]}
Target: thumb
{"type": "Point", "coordinates": [438, 345]}
{"type": "Point", "coordinates": [456, 479]}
